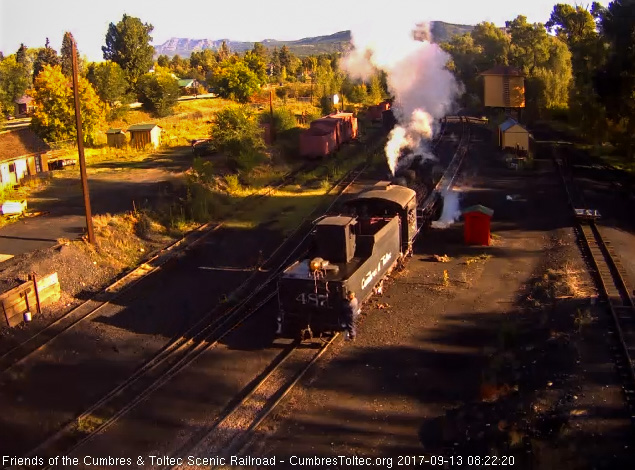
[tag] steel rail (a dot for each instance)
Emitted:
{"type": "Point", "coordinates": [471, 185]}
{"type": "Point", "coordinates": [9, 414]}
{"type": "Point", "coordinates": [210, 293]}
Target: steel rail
{"type": "Point", "coordinates": [187, 348]}
{"type": "Point", "coordinates": [611, 282]}
{"type": "Point", "coordinates": [38, 341]}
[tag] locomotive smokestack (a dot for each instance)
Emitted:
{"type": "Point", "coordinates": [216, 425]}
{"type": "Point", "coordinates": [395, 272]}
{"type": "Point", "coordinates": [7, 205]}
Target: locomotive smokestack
{"type": "Point", "coordinates": [417, 76]}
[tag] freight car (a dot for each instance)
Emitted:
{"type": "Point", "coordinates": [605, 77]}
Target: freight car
{"type": "Point", "coordinates": [327, 134]}
{"type": "Point", "coordinates": [353, 251]}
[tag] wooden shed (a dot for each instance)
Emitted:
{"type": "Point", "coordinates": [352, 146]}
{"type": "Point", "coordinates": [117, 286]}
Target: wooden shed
{"type": "Point", "coordinates": [513, 135]}
{"type": "Point", "coordinates": [142, 135]}
{"type": "Point", "coordinates": [22, 153]}
{"type": "Point", "coordinates": [318, 142]}
{"type": "Point", "coordinates": [116, 137]}
{"type": "Point", "coordinates": [504, 87]}
{"type": "Point", "coordinates": [23, 106]}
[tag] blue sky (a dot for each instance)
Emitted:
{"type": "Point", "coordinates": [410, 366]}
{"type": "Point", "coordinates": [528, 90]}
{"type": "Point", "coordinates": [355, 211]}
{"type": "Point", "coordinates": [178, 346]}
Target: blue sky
{"type": "Point", "coordinates": [31, 21]}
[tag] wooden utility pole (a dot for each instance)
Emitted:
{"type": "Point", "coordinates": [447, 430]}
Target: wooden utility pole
{"type": "Point", "coordinates": [80, 148]}
{"type": "Point", "coordinates": [273, 124]}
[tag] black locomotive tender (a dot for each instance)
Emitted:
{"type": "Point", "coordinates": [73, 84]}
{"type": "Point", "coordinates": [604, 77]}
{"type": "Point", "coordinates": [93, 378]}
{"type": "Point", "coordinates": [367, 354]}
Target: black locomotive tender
{"type": "Point", "coordinates": [354, 252]}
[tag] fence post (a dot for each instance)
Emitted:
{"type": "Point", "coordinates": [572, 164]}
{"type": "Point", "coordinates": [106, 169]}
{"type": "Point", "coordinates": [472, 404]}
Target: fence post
{"type": "Point", "coordinates": [33, 278]}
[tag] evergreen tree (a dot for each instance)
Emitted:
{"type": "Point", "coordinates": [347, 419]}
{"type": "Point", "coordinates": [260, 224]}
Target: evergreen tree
{"type": "Point", "coordinates": [128, 43]}
{"type": "Point", "coordinates": [223, 52]}
{"type": "Point", "coordinates": [21, 56]}
{"type": "Point", "coordinates": [45, 56]}
{"type": "Point", "coordinates": [259, 50]}
{"type": "Point", "coordinates": [67, 54]}
{"type": "Point", "coordinates": [164, 61]}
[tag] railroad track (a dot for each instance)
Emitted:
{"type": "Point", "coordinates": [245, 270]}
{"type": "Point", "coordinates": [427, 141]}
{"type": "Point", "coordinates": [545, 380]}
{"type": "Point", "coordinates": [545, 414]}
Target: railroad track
{"type": "Point", "coordinates": [38, 342]}
{"type": "Point", "coordinates": [612, 284]}
{"type": "Point", "coordinates": [185, 349]}
{"type": "Point", "coordinates": [426, 209]}
{"type": "Point", "coordinates": [235, 427]}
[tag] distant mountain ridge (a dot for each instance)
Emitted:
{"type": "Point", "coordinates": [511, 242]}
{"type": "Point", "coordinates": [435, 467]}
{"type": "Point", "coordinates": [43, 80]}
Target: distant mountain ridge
{"type": "Point", "coordinates": [337, 42]}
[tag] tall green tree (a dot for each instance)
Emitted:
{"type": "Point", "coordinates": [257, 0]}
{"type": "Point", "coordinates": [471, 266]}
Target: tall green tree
{"type": "Point", "coordinates": [493, 42]}
{"type": "Point", "coordinates": [259, 50]}
{"type": "Point", "coordinates": [128, 43]}
{"type": "Point", "coordinates": [616, 80]}
{"type": "Point", "coordinates": [67, 54]}
{"type": "Point", "coordinates": [45, 56]}
{"type": "Point", "coordinates": [159, 91]}
{"type": "Point", "coordinates": [285, 56]}
{"type": "Point", "coordinates": [465, 61]}
{"type": "Point", "coordinates": [235, 81]}
{"type": "Point", "coordinates": [204, 62]}
{"type": "Point", "coordinates": [256, 63]}
{"type": "Point", "coordinates": [529, 44]}
{"type": "Point", "coordinates": [578, 28]}
{"type": "Point", "coordinates": [14, 81]}
{"type": "Point", "coordinates": [21, 56]}
{"type": "Point", "coordinates": [570, 23]}
{"type": "Point", "coordinates": [275, 63]}
{"type": "Point", "coordinates": [164, 61]}
{"type": "Point", "coordinates": [223, 52]}
{"type": "Point", "coordinates": [54, 115]}
{"type": "Point", "coordinates": [109, 81]}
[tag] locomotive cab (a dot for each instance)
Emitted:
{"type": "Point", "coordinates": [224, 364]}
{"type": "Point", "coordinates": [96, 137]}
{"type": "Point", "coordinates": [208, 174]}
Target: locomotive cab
{"type": "Point", "coordinates": [390, 200]}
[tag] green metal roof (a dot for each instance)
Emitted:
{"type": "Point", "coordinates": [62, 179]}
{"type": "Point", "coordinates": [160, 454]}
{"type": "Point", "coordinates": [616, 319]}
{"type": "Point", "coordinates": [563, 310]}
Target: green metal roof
{"type": "Point", "coordinates": [142, 127]}
{"type": "Point", "coordinates": [115, 131]}
{"type": "Point", "coordinates": [478, 208]}
{"type": "Point", "coordinates": [185, 82]}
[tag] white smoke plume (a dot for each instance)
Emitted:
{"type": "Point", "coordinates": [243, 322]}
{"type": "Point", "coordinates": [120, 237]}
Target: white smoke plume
{"type": "Point", "coordinates": [424, 89]}
{"type": "Point", "coordinates": [451, 209]}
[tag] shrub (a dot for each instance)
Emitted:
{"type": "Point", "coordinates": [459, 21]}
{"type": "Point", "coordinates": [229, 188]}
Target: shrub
{"type": "Point", "coordinates": [203, 170]}
{"type": "Point", "coordinates": [159, 92]}
{"type": "Point", "coordinates": [236, 133]}
{"type": "Point", "coordinates": [283, 119]}
{"type": "Point", "coordinates": [233, 184]}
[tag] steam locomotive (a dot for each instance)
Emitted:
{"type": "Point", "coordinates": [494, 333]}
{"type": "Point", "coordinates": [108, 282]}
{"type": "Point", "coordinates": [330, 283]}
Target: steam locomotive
{"type": "Point", "coordinates": [353, 251]}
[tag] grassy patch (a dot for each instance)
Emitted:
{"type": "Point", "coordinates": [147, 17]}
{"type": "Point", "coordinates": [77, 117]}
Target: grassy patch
{"type": "Point", "coordinates": [123, 240]}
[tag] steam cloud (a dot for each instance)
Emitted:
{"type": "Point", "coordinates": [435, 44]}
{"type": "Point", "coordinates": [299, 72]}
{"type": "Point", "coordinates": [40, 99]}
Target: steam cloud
{"type": "Point", "coordinates": [451, 209]}
{"type": "Point", "coordinates": [424, 89]}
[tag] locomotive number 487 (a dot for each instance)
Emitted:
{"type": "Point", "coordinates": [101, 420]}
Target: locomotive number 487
{"type": "Point", "coordinates": [318, 300]}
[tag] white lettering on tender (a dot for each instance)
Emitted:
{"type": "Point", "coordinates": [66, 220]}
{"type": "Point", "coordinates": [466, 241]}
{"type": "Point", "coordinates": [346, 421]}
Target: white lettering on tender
{"type": "Point", "coordinates": [372, 274]}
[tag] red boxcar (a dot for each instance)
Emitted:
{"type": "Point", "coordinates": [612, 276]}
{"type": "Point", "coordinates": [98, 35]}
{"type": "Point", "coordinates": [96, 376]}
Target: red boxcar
{"type": "Point", "coordinates": [349, 125]}
{"type": "Point", "coordinates": [318, 142]}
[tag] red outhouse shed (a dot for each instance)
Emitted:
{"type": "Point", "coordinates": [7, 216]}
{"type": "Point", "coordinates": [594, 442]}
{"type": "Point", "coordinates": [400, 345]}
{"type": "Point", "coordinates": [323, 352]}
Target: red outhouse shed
{"type": "Point", "coordinates": [477, 225]}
